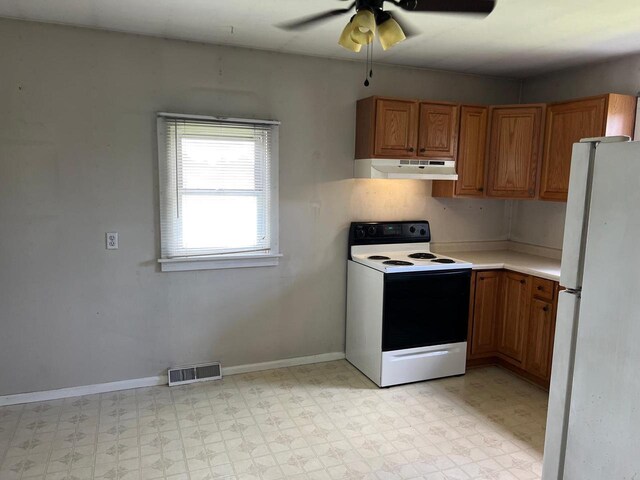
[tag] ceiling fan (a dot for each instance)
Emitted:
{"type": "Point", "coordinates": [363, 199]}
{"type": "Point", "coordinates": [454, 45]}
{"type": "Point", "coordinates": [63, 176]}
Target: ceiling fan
{"type": "Point", "coordinates": [370, 15]}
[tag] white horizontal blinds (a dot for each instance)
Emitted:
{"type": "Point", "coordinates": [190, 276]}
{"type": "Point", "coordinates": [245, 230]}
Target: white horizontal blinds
{"type": "Point", "coordinates": [216, 187]}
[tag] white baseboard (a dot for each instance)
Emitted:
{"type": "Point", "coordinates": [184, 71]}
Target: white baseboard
{"type": "Point", "coordinates": [158, 380]}
{"type": "Point", "coordinates": [287, 362]}
{"type": "Point", "coordinates": [82, 390]}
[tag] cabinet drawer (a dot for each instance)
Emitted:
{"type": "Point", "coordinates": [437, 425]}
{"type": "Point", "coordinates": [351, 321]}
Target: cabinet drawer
{"type": "Point", "coordinates": [543, 288]}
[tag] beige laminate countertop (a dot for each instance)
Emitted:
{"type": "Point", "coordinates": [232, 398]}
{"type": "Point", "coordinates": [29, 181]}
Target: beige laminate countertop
{"type": "Point", "coordinates": [510, 260]}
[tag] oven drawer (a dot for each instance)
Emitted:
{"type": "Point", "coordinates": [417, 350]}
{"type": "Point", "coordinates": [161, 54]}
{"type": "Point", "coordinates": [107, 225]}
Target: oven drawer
{"type": "Point", "coordinates": [417, 364]}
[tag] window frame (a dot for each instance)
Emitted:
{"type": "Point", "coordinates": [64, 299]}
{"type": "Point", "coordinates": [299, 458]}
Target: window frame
{"type": "Point", "coordinates": [223, 260]}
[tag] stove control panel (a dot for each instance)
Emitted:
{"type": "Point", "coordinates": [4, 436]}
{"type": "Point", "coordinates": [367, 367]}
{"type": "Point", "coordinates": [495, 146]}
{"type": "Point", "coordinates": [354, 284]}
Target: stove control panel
{"type": "Point", "coordinates": [367, 233]}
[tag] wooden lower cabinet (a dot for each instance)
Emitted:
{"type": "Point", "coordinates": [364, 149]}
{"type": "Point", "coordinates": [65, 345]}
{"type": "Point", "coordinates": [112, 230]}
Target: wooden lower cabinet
{"type": "Point", "coordinates": [513, 317]}
{"type": "Point", "coordinates": [512, 323]}
{"type": "Point", "coordinates": [485, 311]}
{"type": "Point", "coordinates": [539, 336]}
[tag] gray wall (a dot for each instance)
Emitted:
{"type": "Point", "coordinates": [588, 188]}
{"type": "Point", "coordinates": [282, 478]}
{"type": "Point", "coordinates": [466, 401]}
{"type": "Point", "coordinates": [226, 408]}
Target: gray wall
{"type": "Point", "coordinates": [77, 159]}
{"type": "Point", "coordinates": [621, 75]}
{"type": "Point", "coordinates": [542, 223]}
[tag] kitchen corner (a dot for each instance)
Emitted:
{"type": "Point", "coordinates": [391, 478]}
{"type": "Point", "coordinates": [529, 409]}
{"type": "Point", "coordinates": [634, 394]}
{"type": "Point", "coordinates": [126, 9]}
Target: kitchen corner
{"type": "Point", "coordinates": [512, 307]}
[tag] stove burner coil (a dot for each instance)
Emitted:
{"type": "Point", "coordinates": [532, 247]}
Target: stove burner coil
{"type": "Point", "coordinates": [422, 255]}
{"type": "Point", "coordinates": [443, 260]}
{"type": "Point", "coordinates": [397, 262]}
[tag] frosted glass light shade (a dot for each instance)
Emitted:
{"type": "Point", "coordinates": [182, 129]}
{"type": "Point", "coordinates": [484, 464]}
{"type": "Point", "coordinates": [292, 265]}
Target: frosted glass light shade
{"type": "Point", "coordinates": [364, 27]}
{"type": "Point", "coordinates": [390, 33]}
{"type": "Point", "coordinates": [345, 39]}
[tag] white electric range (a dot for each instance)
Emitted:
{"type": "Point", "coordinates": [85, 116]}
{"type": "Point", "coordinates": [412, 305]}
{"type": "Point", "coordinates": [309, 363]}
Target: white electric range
{"type": "Point", "coordinates": [407, 308]}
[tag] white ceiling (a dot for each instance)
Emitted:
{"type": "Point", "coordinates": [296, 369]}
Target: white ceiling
{"type": "Point", "coordinates": [520, 38]}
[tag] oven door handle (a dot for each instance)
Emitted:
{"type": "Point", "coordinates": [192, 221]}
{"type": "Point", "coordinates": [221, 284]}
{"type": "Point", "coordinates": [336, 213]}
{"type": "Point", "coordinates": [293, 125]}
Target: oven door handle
{"type": "Point", "coordinates": [431, 353]}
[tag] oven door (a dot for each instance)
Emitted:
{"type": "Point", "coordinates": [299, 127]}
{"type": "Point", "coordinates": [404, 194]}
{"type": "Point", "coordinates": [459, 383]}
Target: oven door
{"type": "Point", "coordinates": [425, 308]}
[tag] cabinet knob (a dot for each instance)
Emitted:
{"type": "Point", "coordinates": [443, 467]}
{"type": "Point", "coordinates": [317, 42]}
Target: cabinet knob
{"type": "Point", "coordinates": [522, 281]}
{"type": "Point", "coordinates": [410, 149]}
{"type": "Point", "coordinates": [540, 287]}
{"type": "Point", "coordinates": [481, 189]}
{"type": "Point", "coordinates": [481, 278]}
{"type": "Point", "coordinates": [545, 309]}
{"type": "Point", "coordinates": [422, 150]}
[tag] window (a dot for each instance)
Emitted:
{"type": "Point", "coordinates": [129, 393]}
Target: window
{"type": "Point", "coordinates": [218, 192]}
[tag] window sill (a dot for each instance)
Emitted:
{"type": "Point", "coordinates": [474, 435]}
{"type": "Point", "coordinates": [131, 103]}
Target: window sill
{"type": "Point", "coordinates": [216, 262]}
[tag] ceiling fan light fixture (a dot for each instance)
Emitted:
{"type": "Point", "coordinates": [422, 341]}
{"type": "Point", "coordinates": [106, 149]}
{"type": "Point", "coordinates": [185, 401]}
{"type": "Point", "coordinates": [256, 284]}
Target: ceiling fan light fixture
{"type": "Point", "coordinates": [390, 33]}
{"type": "Point", "coordinates": [345, 39]}
{"type": "Point", "coordinates": [364, 27]}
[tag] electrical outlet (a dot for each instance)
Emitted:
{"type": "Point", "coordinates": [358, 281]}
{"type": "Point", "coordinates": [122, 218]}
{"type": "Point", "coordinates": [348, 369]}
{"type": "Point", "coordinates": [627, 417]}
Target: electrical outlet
{"type": "Point", "coordinates": [112, 240]}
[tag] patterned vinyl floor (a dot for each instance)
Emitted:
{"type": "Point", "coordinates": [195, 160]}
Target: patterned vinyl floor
{"type": "Point", "coordinates": [323, 421]}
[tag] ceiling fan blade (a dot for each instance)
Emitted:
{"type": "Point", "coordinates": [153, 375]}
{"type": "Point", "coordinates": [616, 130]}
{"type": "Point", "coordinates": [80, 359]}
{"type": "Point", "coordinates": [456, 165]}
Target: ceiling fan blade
{"type": "Point", "coordinates": [406, 27]}
{"type": "Point", "coordinates": [311, 20]}
{"type": "Point", "coordinates": [479, 7]}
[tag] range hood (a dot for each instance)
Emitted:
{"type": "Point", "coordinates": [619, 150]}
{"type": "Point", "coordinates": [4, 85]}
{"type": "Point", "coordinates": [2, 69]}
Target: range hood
{"type": "Point", "coordinates": [409, 169]}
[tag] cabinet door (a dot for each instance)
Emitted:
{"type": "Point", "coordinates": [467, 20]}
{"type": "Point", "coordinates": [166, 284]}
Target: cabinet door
{"type": "Point", "coordinates": [485, 312]}
{"type": "Point", "coordinates": [472, 150]}
{"type": "Point", "coordinates": [514, 151]}
{"type": "Point", "coordinates": [438, 131]}
{"type": "Point", "coordinates": [396, 128]}
{"type": "Point", "coordinates": [539, 339]}
{"type": "Point", "coordinates": [566, 123]}
{"type": "Point", "coordinates": [514, 315]}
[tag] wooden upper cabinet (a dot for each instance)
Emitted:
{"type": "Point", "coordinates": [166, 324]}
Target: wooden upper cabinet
{"type": "Point", "coordinates": [621, 115]}
{"type": "Point", "coordinates": [514, 150]}
{"type": "Point", "coordinates": [567, 123]}
{"type": "Point", "coordinates": [438, 131]}
{"type": "Point", "coordinates": [516, 299]}
{"type": "Point", "coordinates": [485, 312]}
{"type": "Point", "coordinates": [396, 128]}
{"type": "Point", "coordinates": [470, 165]}
{"type": "Point", "coordinates": [386, 128]}
{"type": "Point", "coordinates": [472, 151]}
{"type": "Point", "coordinates": [540, 331]}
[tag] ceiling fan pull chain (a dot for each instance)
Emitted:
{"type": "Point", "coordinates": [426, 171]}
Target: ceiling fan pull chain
{"type": "Point", "coordinates": [371, 62]}
{"type": "Point", "coordinates": [366, 67]}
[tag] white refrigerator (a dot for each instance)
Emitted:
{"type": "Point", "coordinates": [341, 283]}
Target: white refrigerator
{"type": "Point", "coordinates": [593, 423]}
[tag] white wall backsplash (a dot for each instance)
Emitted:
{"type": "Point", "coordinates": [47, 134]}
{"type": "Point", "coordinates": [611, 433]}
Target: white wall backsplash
{"type": "Point", "coordinates": [451, 220]}
{"type": "Point", "coordinates": [538, 223]}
